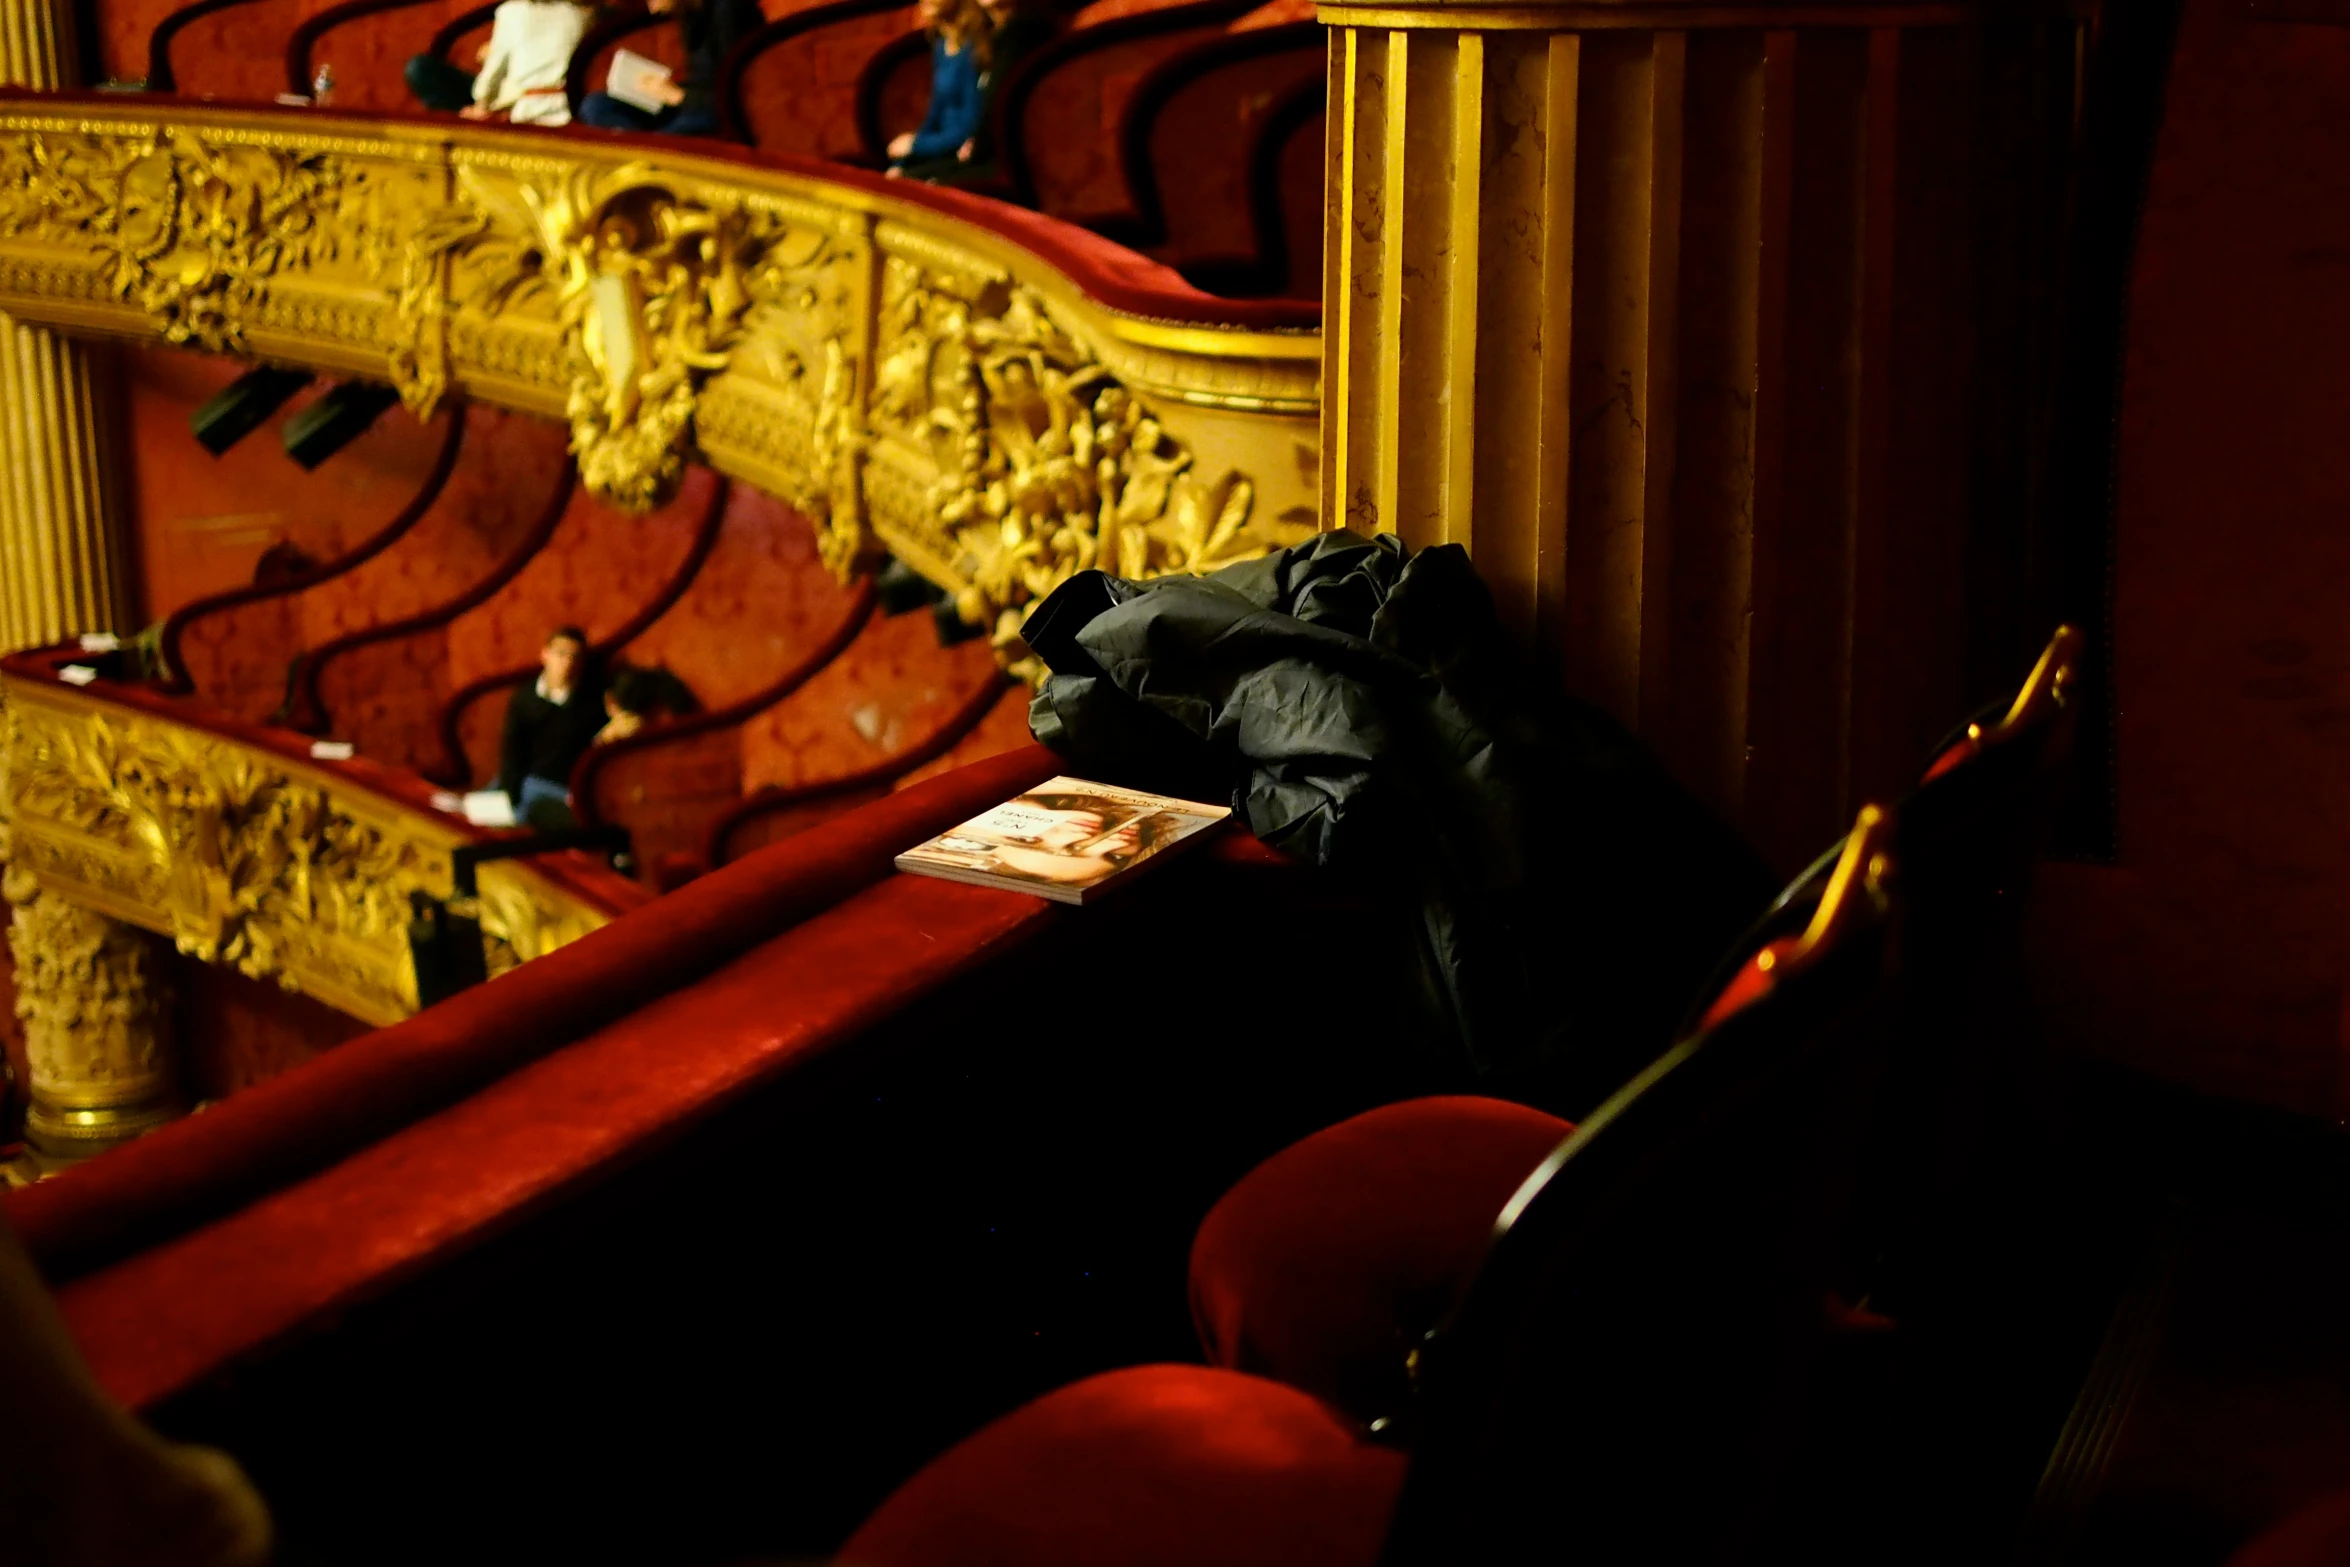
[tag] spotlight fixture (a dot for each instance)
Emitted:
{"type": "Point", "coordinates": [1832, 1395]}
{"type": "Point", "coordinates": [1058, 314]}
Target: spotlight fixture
{"type": "Point", "coordinates": [232, 413]}
{"type": "Point", "coordinates": [335, 420]}
{"type": "Point", "coordinates": [901, 589]}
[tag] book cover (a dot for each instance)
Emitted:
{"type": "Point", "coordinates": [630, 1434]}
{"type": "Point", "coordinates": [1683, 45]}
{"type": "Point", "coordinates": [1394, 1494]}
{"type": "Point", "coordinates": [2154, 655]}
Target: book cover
{"type": "Point", "coordinates": [637, 81]}
{"type": "Point", "coordinates": [1066, 839]}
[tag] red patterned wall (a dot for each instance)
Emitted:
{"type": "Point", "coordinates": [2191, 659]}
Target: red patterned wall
{"type": "Point", "coordinates": [762, 601]}
{"type": "Point", "coordinates": [1199, 147]}
{"type": "Point", "coordinates": [598, 572]}
{"type": "Point", "coordinates": [887, 694]}
{"type": "Point", "coordinates": [368, 53]}
{"type": "Point", "coordinates": [123, 29]}
{"type": "Point", "coordinates": [1005, 728]}
{"type": "Point", "coordinates": [235, 1032]}
{"type": "Point", "coordinates": [761, 606]}
{"type": "Point", "coordinates": [240, 53]}
{"type": "Point", "coordinates": [1069, 128]}
{"type": "Point", "coordinates": [801, 95]}
{"type": "Point", "coordinates": [2217, 952]}
{"type": "Point", "coordinates": [200, 523]}
{"type": "Point", "coordinates": [505, 471]}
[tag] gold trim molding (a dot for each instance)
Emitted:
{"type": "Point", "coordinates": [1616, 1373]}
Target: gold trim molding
{"type": "Point", "coordinates": [904, 377]}
{"type": "Point", "coordinates": [246, 857]}
{"type": "Point", "coordinates": [1467, 16]}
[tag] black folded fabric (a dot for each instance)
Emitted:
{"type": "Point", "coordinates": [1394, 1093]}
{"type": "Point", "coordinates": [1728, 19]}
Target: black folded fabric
{"type": "Point", "coordinates": [1557, 897]}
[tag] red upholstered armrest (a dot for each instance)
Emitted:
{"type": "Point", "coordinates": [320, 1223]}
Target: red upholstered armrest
{"type": "Point", "coordinates": [158, 1322]}
{"type": "Point", "coordinates": [297, 1124]}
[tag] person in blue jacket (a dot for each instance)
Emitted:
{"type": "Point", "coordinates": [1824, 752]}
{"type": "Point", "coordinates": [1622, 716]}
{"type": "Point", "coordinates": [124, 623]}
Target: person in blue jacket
{"type": "Point", "coordinates": [958, 57]}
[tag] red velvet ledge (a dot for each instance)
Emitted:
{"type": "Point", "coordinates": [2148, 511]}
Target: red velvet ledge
{"type": "Point", "coordinates": [162, 1321]}
{"type": "Point", "coordinates": [1107, 272]}
{"type": "Point", "coordinates": [281, 1131]}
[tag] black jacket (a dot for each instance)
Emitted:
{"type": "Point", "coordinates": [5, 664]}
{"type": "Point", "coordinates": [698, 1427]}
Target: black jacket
{"type": "Point", "coordinates": [544, 738]}
{"type": "Point", "coordinates": [710, 30]}
{"type": "Point", "coordinates": [1558, 899]}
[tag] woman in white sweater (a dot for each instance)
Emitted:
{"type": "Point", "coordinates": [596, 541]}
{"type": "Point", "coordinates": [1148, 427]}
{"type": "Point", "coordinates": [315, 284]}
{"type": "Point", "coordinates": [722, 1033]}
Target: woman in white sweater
{"type": "Point", "coordinates": [521, 68]}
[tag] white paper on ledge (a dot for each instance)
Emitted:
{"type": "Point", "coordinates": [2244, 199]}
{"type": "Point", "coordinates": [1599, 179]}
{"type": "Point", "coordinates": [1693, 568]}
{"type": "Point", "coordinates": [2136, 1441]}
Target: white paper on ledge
{"type": "Point", "coordinates": [488, 808]}
{"type": "Point", "coordinates": [332, 750]}
{"type": "Point", "coordinates": [100, 642]}
{"type": "Point", "coordinates": [77, 674]}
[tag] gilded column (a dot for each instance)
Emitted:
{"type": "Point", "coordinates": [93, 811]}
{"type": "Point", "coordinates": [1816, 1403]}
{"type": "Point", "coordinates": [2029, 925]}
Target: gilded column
{"type": "Point", "coordinates": [1681, 318]}
{"type": "Point", "coordinates": [97, 1026]}
{"type": "Point", "coordinates": [61, 556]}
{"type": "Point", "coordinates": [88, 988]}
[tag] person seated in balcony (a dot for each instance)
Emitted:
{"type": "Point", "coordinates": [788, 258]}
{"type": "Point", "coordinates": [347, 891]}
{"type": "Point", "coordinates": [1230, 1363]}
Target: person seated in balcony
{"type": "Point", "coordinates": [548, 725]}
{"type": "Point", "coordinates": [521, 70]}
{"type": "Point", "coordinates": [710, 29]}
{"type": "Point", "coordinates": [634, 694]}
{"type": "Point", "coordinates": [1014, 30]}
{"type": "Point", "coordinates": [948, 139]}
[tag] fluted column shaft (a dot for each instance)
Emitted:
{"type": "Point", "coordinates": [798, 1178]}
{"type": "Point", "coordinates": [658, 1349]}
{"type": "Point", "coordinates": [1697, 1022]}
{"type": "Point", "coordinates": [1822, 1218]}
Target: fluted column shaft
{"type": "Point", "coordinates": [61, 556]}
{"type": "Point", "coordinates": [89, 991]}
{"type": "Point", "coordinates": [61, 553]}
{"type": "Point", "coordinates": [36, 44]}
{"type": "Point", "coordinates": [1682, 318]}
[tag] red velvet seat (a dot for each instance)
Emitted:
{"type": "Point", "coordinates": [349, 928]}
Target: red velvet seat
{"type": "Point", "coordinates": [1327, 1263]}
{"type": "Point", "coordinates": [1617, 1376]}
{"type": "Point", "coordinates": [1154, 1466]}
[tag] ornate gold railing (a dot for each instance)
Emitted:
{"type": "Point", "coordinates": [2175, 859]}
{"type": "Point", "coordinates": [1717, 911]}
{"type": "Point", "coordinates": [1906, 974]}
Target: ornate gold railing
{"type": "Point", "coordinates": [241, 854]}
{"type": "Point", "coordinates": [903, 373]}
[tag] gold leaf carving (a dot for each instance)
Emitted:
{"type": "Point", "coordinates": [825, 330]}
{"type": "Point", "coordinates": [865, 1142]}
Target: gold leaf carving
{"type": "Point", "coordinates": [1046, 465]}
{"type": "Point", "coordinates": [902, 382]}
{"type": "Point", "coordinates": [654, 288]}
{"type": "Point", "coordinates": [239, 861]}
{"type": "Point", "coordinates": [188, 232]}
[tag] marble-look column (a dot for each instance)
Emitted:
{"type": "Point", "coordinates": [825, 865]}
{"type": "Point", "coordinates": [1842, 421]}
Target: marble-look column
{"type": "Point", "coordinates": [1683, 319]}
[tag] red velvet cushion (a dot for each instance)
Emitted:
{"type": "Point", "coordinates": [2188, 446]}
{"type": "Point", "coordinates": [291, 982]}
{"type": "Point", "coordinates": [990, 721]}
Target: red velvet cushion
{"type": "Point", "coordinates": [1329, 1261]}
{"type": "Point", "coordinates": [1154, 1466]}
{"type": "Point", "coordinates": [2316, 1536]}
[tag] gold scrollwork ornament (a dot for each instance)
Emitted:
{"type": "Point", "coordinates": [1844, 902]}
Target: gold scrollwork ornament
{"type": "Point", "coordinates": [1063, 470]}
{"type": "Point", "coordinates": [189, 232]}
{"type": "Point", "coordinates": [654, 288]}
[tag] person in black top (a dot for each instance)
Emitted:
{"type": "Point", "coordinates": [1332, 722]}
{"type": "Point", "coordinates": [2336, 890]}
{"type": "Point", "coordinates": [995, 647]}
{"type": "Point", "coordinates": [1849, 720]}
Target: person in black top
{"type": "Point", "coordinates": [711, 29]}
{"type": "Point", "coordinates": [548, 725]}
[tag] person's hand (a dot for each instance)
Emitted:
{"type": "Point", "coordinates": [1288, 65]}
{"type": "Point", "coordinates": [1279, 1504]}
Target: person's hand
{"type": "Point", "coordinates": [893, 172]}
{"type": "Point", "coordinates": [473, 111]}
{"type": "Point", "coordinates": [963, 153]}
{"type": "Point", "coordinates": [670, 93]}
{"type": "Point", "coordinates": [901, 145]}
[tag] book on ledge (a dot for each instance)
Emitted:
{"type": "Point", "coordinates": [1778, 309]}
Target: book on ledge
{"type": "Point", "coordinates": [1066, 839]}
{"type": "Point", "coordinates": [637, 81]}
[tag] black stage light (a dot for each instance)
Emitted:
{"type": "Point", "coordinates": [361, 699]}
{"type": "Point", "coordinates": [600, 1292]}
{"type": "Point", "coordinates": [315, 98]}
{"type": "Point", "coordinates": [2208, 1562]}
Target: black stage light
{"type": "Point", "coordinates": [900, 588]}
{"type": "Point", "coordinates": [230, 416]}
{"type": "Point", "coordinates": [335, 420]}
